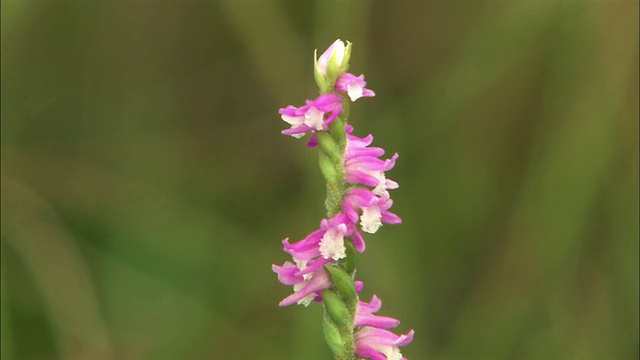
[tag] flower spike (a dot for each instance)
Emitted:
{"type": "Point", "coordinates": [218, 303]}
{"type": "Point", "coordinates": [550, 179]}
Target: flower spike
{"type": "Point", "coordinates": [323, 263]}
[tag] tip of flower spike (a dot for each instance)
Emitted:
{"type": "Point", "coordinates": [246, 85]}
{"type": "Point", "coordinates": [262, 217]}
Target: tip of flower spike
{"type": "Point", "coordinates": [334, 55]}
{"type": "Point", "coordinates": [332, 63]}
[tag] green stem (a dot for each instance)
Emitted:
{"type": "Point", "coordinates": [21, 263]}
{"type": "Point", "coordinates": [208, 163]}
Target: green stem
{"type": "Point", "coordinates": [341, 301]}
{"type": "Point", "coordinates": [332, 169]}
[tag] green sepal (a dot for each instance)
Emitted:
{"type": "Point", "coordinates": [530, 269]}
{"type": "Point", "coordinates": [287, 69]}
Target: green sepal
{"type": "Point", "coordinates": [333, 201]}
{"type": "Point", "coordinates": [339, 132]}
{"type": "Point", "coordinates": [346, 59]}
{"type": "Point", "coordinates": [336, 308]}
{"type": "Point", "coordinates": [351, 260]}
{"type": "Point", "coordinates": [329, 146]}
{"type": "Point", "coordinates": [332, 336]}
{"type": "Point", "coordinates": [328, 169]}
{"type": "Point", "coordinates": [344, 286]}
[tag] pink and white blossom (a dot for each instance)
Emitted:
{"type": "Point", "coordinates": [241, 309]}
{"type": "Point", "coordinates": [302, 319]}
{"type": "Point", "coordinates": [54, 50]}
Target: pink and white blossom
{"type": "Point", "coordinates": [306, 288]}
{"type": "Point", "coordinates": [381, 344]}
{"type": "Point", "coordinates": [354, 86]}
{"type": "Point", "coordinates": [363, 166]}
{"type": "Point", "coordinates": [373, 209]}
{"type": "Point", "coordinates": [365, 317]}
{"type": "Point", "coordinates": [373, 341]}
{"type": "Point", "coordinates": [315, 115]}
{"type": "Point", "coordinates": [325, 244]}
{"type": "Point", "coordinates": [307, 274]}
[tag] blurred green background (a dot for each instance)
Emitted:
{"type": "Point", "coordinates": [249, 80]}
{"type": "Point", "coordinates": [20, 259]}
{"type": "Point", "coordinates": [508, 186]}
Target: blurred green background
{"type": "Point", "coordinates": [146, 187]}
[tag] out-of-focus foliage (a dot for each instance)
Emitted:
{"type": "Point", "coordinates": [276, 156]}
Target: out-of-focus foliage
{"type": "Point", "coordinates": [146, 187]}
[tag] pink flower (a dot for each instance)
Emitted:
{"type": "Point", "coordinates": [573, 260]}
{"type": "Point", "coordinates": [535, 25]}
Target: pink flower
{"type": "Point", "coordinates": [372, 340]}
{"type": "Point", "coordinates": [365, 317]}
{"type": "Point", "coordinates": [325, 244]}
{"type": "Point", "coordinates": [335, 52]}
{"type": "Point", "coordinates": [380, 344]}
{"type": "Point", "coordinates": [315, 115]}
{"type": "Point", "coordinates": [310, 254]}
{"type": "Point", "coordinates": [354, 86]}
{"type": "Point", "coordinates": [306, 288]}
{"type": "Point", "coordinates": [363, 166]}
{"type": "Point", "coordinates": [374, 209]}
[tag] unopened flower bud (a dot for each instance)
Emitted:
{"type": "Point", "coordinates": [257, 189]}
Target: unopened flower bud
{"type": "Point", "coordinates": [331, 64]}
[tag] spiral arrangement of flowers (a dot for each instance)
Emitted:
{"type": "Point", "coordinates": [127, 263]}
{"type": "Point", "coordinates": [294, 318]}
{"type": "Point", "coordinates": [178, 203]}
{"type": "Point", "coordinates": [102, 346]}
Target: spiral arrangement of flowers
{"type": "Point", "coordinates": [323, 266]}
